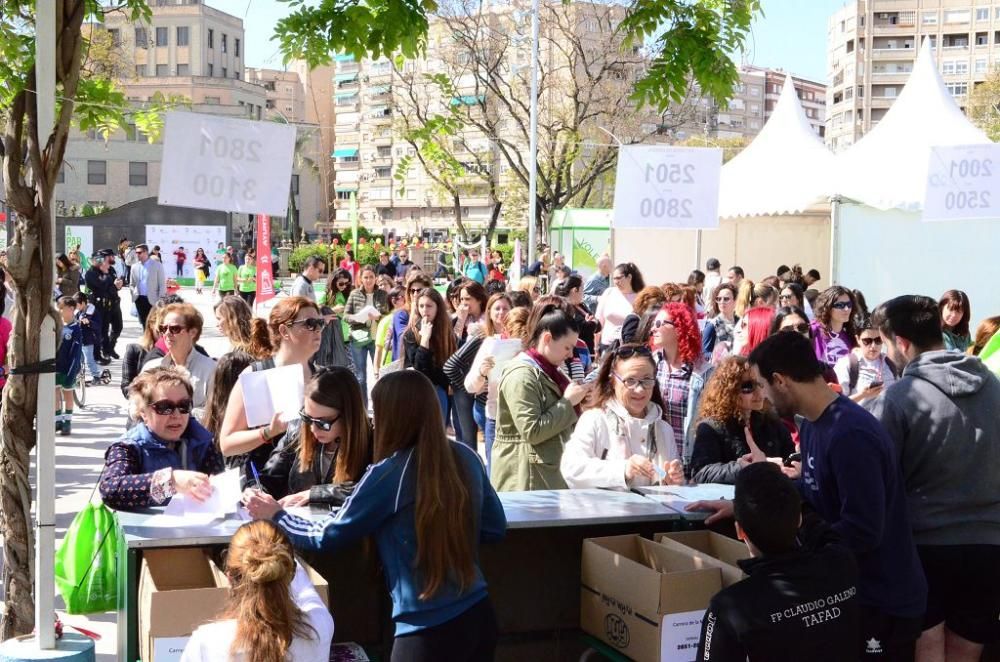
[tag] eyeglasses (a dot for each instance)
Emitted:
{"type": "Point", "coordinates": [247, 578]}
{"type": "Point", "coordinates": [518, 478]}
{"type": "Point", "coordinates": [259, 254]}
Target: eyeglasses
{"type": "Point", "coordinates": [632, 382]}
{"type": "Point", "coordinates": [868, 342]}
{"type": "Point", "coordinates": [748, 387]}
{"type": "Point", "coordinates": [802, 328]}
{"type": "Point", "coordinates": [311, 324]}
{"type": "Point", "coordinates": [324, 424]}
{"type": "Point", "coordinates": [723, 299]}
{"type": "Point", "coordinates": [617, 277]}
{"type": "Point", "coordinates": [785, 297]}
{"type": "Point", "coordinates": [843, 305]}
{"type": "Point", "coordinates": [659, 323]}
{"type": "Point", "coordinates": [168, 407]}
{"type": "Point", "coordinates": [172, 329]}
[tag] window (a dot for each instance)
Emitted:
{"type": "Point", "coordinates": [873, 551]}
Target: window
{"type": "Point", "coordinates": [137, 173]}
{"type": "Point", "coordinates": [754, 91]}
{"type": "Point", "coordinates": [948, 67]}
{"type": "Point", "coordinates": [384, 151]}
{"type": "Point", "coordinates": [211, 38]}
{"type": "Point", "coordinates": [983, 14]}
{"type": "Point", "coordinates": [183, 69]}
{"type": "Point", "coordinates": [236, 75]}
{"type": "Point", "coordinates": [116, 37]}
{"type": "Point", "coordinates": [211, 69]}
{"type": "Point", "coordinates": [213, 101]}
{"type": "Point", "coordinates": [982, 39]}
{"type": "Point", "coordinates": [236, 47]}
{"type": "Point", "coordinates": [295, 184]}
{"type": "Point", "coordinates": [183, 34]}
{"type": "Point", "coordinates": [929, 18]}
{"type": "Point", "coordinates": [956, 16]}
{"type": "Point", "coordinates": [161, 36]}
{"type": "Point", "coordinates": [224, 48]}
{"type": "Point", "coordinates": [981, 65]}
{"type": "Point", "coordinates": [383, 172]}
{"type": "Point", "coordinates": [162, 70]}
{"type": "Point", "coordinates": [962, 67]}
{"type": "Point", "coordinates": [131, 133]}
{"type": "Point", "coordinates": [958, 89]}
{"type": "Point", "coordinates": [97, 172]}
{"type": "Point", "coordinates": [225, 73]}
{"type": "Point", "coordinates": [141, 41]}
{"type": "Point", "coordinates": [140, 70]}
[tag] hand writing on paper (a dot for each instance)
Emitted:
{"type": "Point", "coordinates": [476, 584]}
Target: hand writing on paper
{"type": "Point", "coordinates": [192, 483]}
{"type": "Point", "coordinates": [720, 509]}
{"type": "Point", "coordinates": [675, 472]}
{"type": "Point", "coordinates": [260, 505]}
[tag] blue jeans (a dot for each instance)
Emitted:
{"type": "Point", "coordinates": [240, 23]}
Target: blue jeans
{"type": "Point", "coordinates": [442, 394]}
{"type": "Point", "coordinates": [479, 413]}
{"type": "Point", "coordinates": [358, 355]}
{"type": "Point", "coordinates": [92, 367]}
{"type": "Point", "coordinates": [464, 414]}
{"type": "Point", "coordinates": [490, 433]}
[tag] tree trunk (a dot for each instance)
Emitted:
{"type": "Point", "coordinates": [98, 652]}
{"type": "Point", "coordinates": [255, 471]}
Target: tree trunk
{"type": "Point", "coordinates": [456, 203]}
{"type": "Point", "coordinates": [29, 250]}
{"type": "Point", "coordinates": [494, 218]}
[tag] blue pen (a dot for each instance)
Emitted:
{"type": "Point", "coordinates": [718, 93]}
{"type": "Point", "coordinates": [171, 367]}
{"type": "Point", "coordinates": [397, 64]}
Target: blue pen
{"type": "Point", "coordinates": [256, 476]}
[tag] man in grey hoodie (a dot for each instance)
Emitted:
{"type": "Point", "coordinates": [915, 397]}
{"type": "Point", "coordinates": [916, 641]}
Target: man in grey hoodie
{"type": "Point", "coordinates": [944, 417]}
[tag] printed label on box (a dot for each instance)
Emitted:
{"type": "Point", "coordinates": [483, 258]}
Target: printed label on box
{"type": "Point", "coordinates": [679, 636]}
{"type": "Point", "coordinates": [170, 649]}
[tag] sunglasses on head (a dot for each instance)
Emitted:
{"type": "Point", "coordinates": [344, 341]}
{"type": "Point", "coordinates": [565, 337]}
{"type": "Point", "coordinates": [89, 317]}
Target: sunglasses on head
{"type": "Point", "coordinates": [168, 407]}
{"type": "Point", "coordinates": [843, 305]}
{"type": "Point", "coordinates": [626, 351]}
{"type": "Point", "coordinates": [868, 342]}
{"type": "Point", "coordinates": [172, 329]}
{"type": "Point", "coordinates": [324, 424]}
{"type": "Point", "coordinates": [748, 387]}
{"type": "Point", "coordinates": [311, 324]}
{"type": "Point", "coordinates": [802, 328]}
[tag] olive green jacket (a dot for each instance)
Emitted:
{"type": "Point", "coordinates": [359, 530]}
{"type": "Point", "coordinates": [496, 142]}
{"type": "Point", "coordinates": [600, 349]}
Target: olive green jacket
{"type": "Point", "coordinates": [534, 421]}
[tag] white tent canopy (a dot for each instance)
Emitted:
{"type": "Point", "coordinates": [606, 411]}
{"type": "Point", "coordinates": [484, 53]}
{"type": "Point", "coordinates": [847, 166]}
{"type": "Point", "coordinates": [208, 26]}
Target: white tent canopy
{"type": "Point", "coordinates": [887, 168]}
{"type": "Point", "coordinates": [785, 170]}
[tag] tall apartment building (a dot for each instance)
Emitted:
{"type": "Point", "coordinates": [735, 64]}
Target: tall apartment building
{"type": "Point", "coordinates": [872, 45]}
{"type": "Point", "coordinates": [372, 100]}
{"type": "Point", "coordinates": [751, 105]}
{"type": "Point", "coordinates": [186, 49]}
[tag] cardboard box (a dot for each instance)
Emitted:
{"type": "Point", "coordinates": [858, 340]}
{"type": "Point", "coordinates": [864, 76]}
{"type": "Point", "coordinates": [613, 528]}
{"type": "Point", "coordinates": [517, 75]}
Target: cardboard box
{"type": "Point", "coordinates": [712, 545]}
{"type": "Point", "coordinates": [177, 593]}
{"type": "Point", "coordinates": [180, 589]}
{"type": "Point", "coordinates": [644, 599]}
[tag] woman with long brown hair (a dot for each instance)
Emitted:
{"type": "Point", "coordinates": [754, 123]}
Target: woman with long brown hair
{"type": "Point", "coordinates": [955, 316]}
{"type": "Point", "coordinates": [429, 341]}
{"type": "Point", "coordinates": [428, 504]}
{"type": "Point", "coordinates": [734, 427]}
{"type": "Point", "coordinates": [273, 612]}
{"type": "Point", "coordinates": [234, 319]}
{"type": "Point", "coordinates": [292, 334]}
{"type": "Point", "coordinates": [326, 451]}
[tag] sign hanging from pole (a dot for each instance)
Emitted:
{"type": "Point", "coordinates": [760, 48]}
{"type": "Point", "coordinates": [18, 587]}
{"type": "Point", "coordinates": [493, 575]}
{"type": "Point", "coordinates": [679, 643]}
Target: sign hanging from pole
{"type": "Point", "coordinates": [963, 182]}
{"type": "Point", "coordinates": [265, 270]}
{"type": "Point", "coordinates": [226, 164]}
{"type": "Point", "coordinates": [667, 187]}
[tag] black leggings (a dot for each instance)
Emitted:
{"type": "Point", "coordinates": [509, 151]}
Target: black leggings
{"type": "Point", "coordinates": [469, 637]}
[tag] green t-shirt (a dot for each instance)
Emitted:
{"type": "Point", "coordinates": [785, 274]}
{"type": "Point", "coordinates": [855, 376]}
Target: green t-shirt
{"type": "Point", "coordinates": [248, 276]}
{"type": "Point", "coordinates": [225, 277]}
{"type": "Point", "coordinates": [218, 255]}
{"type": "Point", "coordinates": [382, 337]}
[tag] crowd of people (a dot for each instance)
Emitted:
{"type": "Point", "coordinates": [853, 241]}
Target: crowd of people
{"type": "Point", "coordinates": [861, 444]}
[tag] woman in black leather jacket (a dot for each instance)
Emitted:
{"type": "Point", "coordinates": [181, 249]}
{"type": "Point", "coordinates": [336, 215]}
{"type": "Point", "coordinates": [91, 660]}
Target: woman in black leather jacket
{"type": "Point", "coordinates": [324, 453]}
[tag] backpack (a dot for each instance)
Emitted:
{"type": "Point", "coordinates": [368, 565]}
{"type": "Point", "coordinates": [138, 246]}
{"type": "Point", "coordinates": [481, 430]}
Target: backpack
{"type": "Point", "coordinates": [854, 369]}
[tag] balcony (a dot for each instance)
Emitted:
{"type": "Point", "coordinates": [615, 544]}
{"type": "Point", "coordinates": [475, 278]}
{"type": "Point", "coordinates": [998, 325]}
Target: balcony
{"type": "Point", "coordinates": [892, 53]}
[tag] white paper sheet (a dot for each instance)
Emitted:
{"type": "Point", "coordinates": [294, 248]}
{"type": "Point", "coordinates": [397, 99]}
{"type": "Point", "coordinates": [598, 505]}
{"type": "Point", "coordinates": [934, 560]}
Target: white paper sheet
{"type": "Point", "coordinates": [268, 391]}
{"type": "Point", "coordinates": [502, 352]}
{"type": "Point", "coordinates": [364, 315]}
{"type": "Point", "coordinates": [225, 498]}
{"type": "Point", "coordinates": [679, 636]}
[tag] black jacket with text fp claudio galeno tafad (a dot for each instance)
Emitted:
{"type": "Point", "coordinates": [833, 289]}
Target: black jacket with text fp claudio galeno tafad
{"type": "Point", "coordinates": [792, 607]}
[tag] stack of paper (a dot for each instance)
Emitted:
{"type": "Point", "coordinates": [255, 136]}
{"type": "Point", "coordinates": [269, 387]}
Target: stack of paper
{"type": "Point", "coordinates": [278, 390]}
{"type": "Point", "coordinates": [185, 511]}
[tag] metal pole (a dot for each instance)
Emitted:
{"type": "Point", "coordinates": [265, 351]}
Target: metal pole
{"type": "Point", "coordinates": [835, 202]}
{"type": "Point", "coordinates": [45, 88]}
{"type": "Point", "coordinates": [533, 138]}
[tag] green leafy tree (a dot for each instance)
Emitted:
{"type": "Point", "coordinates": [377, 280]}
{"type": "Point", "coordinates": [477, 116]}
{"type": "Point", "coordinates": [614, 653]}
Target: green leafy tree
{"type": "Point", "coordinates": [31, 156]}
{"type": "Point", "coordinates": [983, 106]}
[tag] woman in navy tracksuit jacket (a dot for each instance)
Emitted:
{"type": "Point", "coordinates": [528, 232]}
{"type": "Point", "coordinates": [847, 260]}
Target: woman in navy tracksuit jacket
{"type": "Point", "coordinates": [440, 603]}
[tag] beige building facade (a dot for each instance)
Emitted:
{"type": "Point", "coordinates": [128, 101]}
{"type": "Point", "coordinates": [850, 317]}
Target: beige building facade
{"type": "Point", "coordinates": [873, 44]}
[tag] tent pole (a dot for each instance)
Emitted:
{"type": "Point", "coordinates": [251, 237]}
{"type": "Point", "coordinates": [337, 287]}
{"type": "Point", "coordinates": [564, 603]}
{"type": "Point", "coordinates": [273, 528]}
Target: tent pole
{"type": "Point", "coordinates": [834, 227]}
{"type": "Point", "coordinates": [697, 248]}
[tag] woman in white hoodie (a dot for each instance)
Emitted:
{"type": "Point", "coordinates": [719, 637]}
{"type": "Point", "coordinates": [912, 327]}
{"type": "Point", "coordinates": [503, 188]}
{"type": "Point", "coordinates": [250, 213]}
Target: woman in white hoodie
{"type": "Point", "coordinates": [623, 442]}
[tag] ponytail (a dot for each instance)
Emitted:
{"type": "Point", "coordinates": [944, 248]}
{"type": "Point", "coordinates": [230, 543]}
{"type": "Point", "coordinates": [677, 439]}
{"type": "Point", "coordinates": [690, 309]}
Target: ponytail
{"type": "Point", "coordinates": [261, 343]}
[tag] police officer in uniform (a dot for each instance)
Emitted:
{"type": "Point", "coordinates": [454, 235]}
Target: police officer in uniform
{"type": "Point", "coordinates": [103, 287]}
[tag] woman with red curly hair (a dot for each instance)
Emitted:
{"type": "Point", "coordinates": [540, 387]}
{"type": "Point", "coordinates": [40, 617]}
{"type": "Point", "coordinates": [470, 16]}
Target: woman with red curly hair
{"type": "Point", "coordinates": [734, 429]}
{"type": "Point", "coordinates": [680, 371]}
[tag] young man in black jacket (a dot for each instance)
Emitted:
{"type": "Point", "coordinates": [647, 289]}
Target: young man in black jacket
{"type": "Point", "coordinates": [799, 601]}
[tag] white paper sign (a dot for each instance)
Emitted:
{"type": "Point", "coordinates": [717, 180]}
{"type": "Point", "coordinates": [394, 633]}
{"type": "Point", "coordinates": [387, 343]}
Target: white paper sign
{"type": "Point", "coordinates": [169, 649]}
{"type": "Point", "coordinates": [667, 187]}
{"type": "Point", "coordinates": [679, 636]}
{"type": "Point", "coordinates": [82, 236]}
{"type": "Point", "coordinates": [226, 164]}
{"type": "Point", "coordinates": [268, 391]}
{"type": "Point", "coordinates": [963, 182]}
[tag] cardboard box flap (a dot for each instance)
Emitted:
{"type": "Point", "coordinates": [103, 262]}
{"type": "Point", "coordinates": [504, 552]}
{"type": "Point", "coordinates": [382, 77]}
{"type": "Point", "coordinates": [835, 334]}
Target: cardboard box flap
{"type": "Point", "coordinates": [610, 563]}
{"type": "Point", "coordinates": [179, 568]}
{"type": "Point", "coordinates": [710, 549]}
{"type": "Point", "coordinates": [686, 582]}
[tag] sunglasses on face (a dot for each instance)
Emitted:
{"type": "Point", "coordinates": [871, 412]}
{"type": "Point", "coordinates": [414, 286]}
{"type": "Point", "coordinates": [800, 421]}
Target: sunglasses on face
{"type": "Point", "coordinates": [659, 323]}
{"type": "Point", "coordinates": [311, 324]}
{"type": "Point", "coordinates": [172, 329]}
{"type": "Point", "coordinates": [324, 424]}
{"type": "Point", "coordinates": [723, 299]}
{"type": "Point", "coordinates": [748, 387]}
{"type": "Point", "coordinates": [168, 407]}
{"type": "Point", "coordinates": [342, 283]}
{"type": "Point", "coordinates": [786, 297]}
{"type": "Point", "coordinates": [802, 328]}
{"type": "Point", "coordinates": [868, 342]}
{"type": "Point", "coordinates": [843, 305]}
{"type": "Point", "coordinates": [417, 290]}
{"type": "Point", "coordinates": [633, 383]}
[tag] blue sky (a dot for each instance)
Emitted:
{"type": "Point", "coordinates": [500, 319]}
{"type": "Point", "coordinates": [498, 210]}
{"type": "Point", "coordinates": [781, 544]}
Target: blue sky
{"type": "Point", "coordinates": [791, 35]}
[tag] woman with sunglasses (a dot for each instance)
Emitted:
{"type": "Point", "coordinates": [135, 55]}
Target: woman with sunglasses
{"type": "Point", "coordinates": [721, 320]}
{"type": "Point", "coordinates": [292, 333]}
{"type": "Point", "coordinates": [537, 405]}
{"type": "Point", "coordinates": [616, 303]}
{"type": "Point", "coordinates": [180, 327]}
{"type": "Point", "coordinates": [428, 505]}
{"type": "Point", "coordinates": [429, 341]}
{"type": "Point", "coordinates": [167, 453]}
{"type": "Point", "coordinates": [792, 295]}
{"type": "Point", "coordinates": [734, 428]}
{"type": "Point", "coordinates": [865, 371]}
{"type": "Point", "coordinates": [833, 329]}
{"type": "Point", "coordinates": [791, 318]}
{"type": "Point", "coordinates": [325, 452]}
{"type": "Point", "coordinates": [752, 329]}
{"type": "Point", "coordinates": [623, 442]}
{"type": "Point", "coordinates": [680, 370]}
